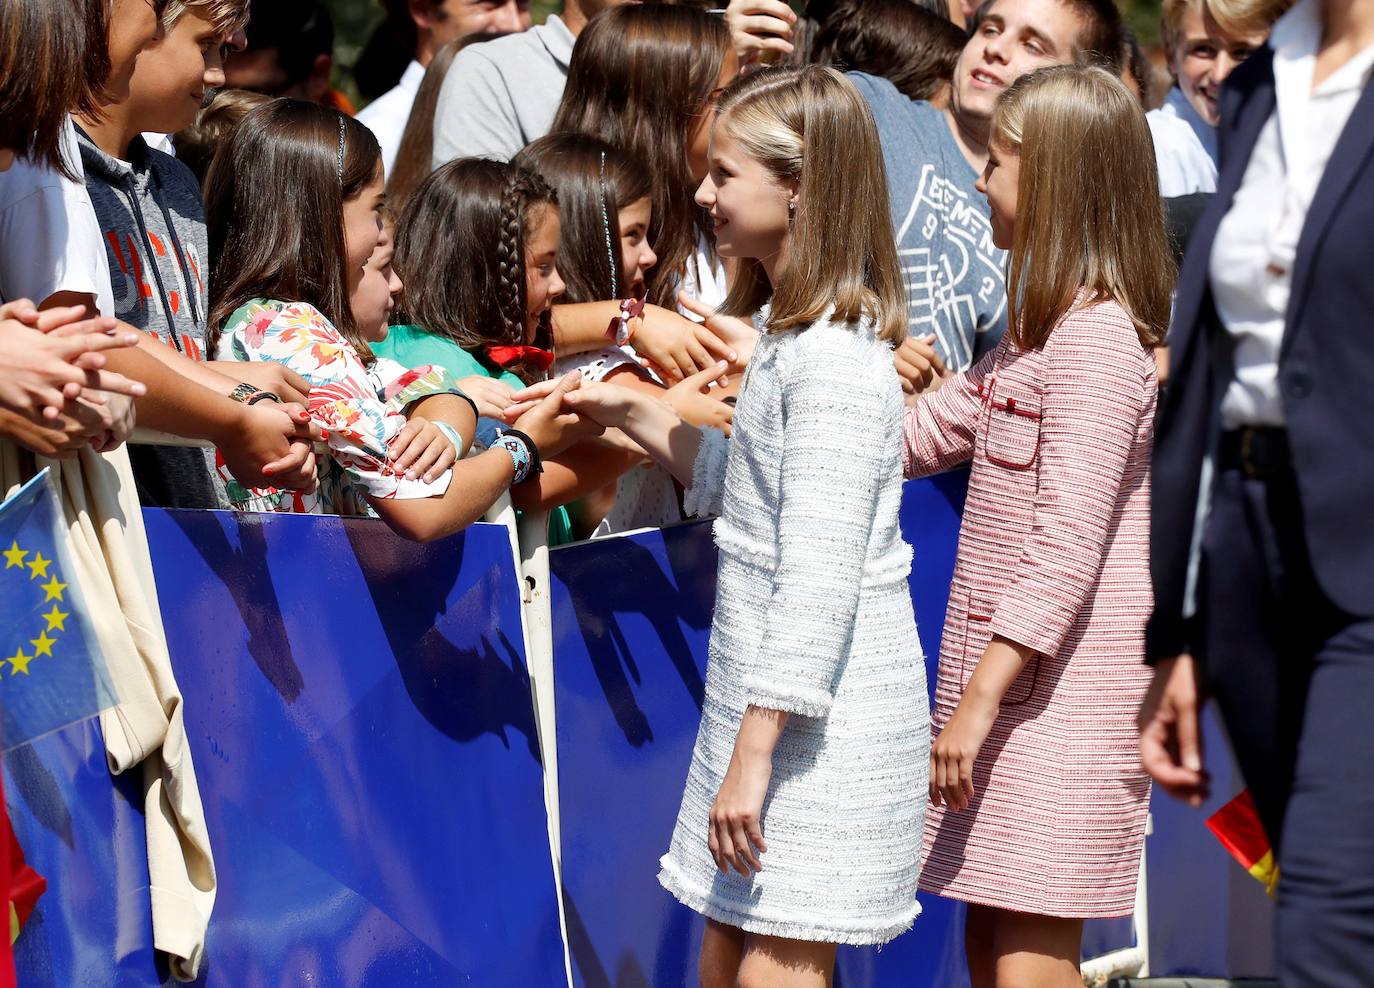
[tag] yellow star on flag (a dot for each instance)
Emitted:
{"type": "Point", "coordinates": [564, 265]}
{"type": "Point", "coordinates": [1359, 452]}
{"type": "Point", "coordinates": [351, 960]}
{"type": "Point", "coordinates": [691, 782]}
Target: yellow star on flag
{"type": "Point", "coordinates": [14, 556]}
{"type": "Point", "coordinates": [39, 566]}
{"type": "Point", "coordinates": [54, 589]}
{"type": "Point", "coordinates": [56, 618]}
{"type": "Point", "coordinates": [19, 662]}
{"type": "Point", "coordinates": [42, 645]}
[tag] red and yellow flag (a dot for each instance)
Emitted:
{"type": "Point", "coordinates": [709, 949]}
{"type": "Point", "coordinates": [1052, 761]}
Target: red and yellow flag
{"type": "Point", "coordinates": [1237, 825]}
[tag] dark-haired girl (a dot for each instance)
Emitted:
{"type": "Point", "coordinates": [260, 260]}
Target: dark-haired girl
{"type": "Point", "coordinates": [294, 218]}
{"type": "Point", "coordinates": [606, 210]}
{"type": "Point", "coordinates": [646, 79]}
{"type": "Point", "coordinates": [477, 248]}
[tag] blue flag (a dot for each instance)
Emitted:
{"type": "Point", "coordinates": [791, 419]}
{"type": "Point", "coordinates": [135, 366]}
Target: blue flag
{"type": "Point", "coordinates": [51, 670]}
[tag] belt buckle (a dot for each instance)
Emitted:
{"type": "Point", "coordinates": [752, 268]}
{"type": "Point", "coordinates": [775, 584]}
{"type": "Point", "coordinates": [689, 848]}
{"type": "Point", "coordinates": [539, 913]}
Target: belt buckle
{"type": "Point", "coordinates": [1247, 463]}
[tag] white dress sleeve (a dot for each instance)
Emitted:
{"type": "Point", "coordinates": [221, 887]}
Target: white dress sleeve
{"type": "Point", "coordinates": [704, 498]}
{"type": "Point", "coordinates": [833, 467]}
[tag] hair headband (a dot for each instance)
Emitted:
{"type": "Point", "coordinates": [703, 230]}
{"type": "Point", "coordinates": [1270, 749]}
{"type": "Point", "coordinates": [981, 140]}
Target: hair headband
{"type": "Point", "coordinates": [606, 226]}
{"type": "Point", "coordinates": [341, 148]}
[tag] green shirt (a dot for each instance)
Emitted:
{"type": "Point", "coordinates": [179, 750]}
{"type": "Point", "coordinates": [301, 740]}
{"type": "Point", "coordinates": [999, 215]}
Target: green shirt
{"type": "Point", "coordinates": [411, 346]}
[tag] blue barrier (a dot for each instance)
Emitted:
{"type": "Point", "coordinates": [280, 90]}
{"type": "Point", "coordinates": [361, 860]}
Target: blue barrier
{"type": "Point", "coordinates": [360, 718]}
{"type": "Point", "coordinates": [359, 712]}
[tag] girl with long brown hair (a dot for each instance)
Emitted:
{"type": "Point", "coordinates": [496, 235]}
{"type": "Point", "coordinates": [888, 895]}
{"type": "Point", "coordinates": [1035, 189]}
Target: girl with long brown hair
{"type": "Point", "coordinates": [1037, 793]}
{"type": "Point", "coordinates": [801, 821]}
{"type": "Point", "coordinates": [646, 79]}
{"type": "Point", "coordinates": [293, 213]}
{"type": "Point", "coordinates": [606, 210]}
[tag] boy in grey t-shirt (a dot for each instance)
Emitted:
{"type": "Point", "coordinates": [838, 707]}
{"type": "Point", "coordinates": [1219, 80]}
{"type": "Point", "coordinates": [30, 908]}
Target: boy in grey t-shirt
{"type": "Point", "coordinates": [954, 275]}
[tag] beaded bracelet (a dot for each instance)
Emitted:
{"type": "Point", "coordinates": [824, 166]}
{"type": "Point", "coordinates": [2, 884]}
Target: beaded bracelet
{"type": "Point", "coordinates": [620, 330]}
{"type": "Point", "coordinates": [523, 452]}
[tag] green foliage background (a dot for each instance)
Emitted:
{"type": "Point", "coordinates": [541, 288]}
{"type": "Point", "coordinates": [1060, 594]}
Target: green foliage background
{"type": "Point", "coordinates": [354, 21]}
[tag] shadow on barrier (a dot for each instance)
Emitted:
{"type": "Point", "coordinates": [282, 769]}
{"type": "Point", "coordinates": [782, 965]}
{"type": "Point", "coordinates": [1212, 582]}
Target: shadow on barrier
{"type": "Point", "coordinates": [366, 759]}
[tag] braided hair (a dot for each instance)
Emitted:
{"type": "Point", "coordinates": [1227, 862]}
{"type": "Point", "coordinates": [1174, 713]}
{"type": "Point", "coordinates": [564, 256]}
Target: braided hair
{"type": "Point", "coordinates": [456, 284]}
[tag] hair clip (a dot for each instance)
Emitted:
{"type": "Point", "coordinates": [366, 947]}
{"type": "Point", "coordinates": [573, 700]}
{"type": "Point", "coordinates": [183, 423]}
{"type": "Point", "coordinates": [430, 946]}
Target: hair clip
{"type": "Point", "coordinates": [606, 226]}
{"type": "Point", "coordinates": [341, 148]}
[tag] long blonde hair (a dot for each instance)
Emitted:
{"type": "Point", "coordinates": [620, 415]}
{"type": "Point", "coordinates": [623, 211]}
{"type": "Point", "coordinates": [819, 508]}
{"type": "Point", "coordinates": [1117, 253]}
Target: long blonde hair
{"type": "Point", "coordinates": [1088, 212]}
{"type": "Point", "coordinates": [811, 125]}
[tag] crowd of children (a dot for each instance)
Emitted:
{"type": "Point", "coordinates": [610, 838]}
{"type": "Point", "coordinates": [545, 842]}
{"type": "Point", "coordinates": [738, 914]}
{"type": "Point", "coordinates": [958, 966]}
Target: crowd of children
{"type": "Point", "coordinates": [696, 285]}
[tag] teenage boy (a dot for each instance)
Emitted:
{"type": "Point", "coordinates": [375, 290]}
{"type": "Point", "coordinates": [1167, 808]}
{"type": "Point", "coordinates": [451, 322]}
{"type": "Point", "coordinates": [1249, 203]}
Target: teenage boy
{"type": "Point", "coordinates": [955, 282]}
{"type": "Point", "coordinates": [151, 219]}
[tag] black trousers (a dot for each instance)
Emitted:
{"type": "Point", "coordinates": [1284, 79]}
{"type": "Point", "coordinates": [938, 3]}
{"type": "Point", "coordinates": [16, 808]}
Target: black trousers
{"type": "Point", "coordinates": [1294, 679]}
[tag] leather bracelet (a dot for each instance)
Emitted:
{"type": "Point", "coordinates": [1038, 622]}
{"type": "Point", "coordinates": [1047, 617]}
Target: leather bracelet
{"type": "Point", "coordinates": [265, 396]}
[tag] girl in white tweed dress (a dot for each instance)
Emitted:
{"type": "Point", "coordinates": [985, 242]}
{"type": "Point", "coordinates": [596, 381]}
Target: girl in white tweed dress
{"type": "Point", "coordinates": [801, 823]}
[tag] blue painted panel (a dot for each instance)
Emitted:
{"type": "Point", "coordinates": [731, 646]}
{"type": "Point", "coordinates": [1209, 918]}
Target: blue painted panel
{"type": "Point", "coordinates": [361, 723]}
{"type": "Point", "coordinates": [631, 618]}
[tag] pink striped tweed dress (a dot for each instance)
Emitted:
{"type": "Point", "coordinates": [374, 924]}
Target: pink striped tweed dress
{"type": "Point", "coordinates": [1053, 555]}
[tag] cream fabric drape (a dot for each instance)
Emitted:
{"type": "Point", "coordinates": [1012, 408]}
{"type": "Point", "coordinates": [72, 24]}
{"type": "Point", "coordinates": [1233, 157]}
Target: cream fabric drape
{"type": "Point", "coordinates": [109, 550]}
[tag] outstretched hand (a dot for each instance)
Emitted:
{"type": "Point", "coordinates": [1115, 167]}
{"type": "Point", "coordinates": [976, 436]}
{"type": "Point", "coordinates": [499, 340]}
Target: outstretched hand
{"type": "Point", "coordinates": [728, 337]}
{"type": "Point", "coordinates": [554, 423]}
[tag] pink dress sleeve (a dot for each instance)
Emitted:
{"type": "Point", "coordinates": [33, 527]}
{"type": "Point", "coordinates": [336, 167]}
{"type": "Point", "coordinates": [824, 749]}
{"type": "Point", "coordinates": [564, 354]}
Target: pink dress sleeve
{"type": "Point", "coordinates": [1098, 385]}
{"type": "Point", "coordinates": [939, 430]}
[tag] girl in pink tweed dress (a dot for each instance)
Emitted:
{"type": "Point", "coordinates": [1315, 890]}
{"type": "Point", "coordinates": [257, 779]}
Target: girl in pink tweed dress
{"type": "Point", "coordinates": [1038, 797]}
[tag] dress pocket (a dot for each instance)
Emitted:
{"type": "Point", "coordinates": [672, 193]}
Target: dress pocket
{"type": "Point", "coordinates": [976, 640]}
{"type": "Point", "coordinates": [1013, 431]}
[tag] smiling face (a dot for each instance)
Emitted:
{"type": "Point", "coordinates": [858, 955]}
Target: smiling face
{"type": "Point", "coordinates": [372, 299]}
{"type": "Point", "coordinates": [175, 72]}
{"type": "Point", "coordinates": [543, 285]}
{"type": "Point", "coordinates": [1015, 37]}
{"type": "Point", "coordinates": [362, 217]}
{"type": "Point", "coordinates": [749, 205]}
{"type": "Point", "coordinates": [1203, 56]}
{"type": "Point", "coordinates": [636, 256]}
{"type": "Point", "coordinates": [999, 182]}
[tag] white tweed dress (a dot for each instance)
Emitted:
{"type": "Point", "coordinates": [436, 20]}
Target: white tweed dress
{"type": "Point", "coordinates": [813, 616]}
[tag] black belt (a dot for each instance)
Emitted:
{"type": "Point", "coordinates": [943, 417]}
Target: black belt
{"type": "Point", "coordinates": [1256, 452]}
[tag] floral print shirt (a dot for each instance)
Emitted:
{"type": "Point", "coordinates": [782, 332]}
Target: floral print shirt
{"type": "Point", "coordinates": [359, 407]}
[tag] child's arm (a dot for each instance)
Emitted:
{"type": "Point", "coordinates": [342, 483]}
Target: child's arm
{"type": "Point", "coordinates": [673, 343]}
{"type": "Point", "coordinates": [940, 428]}
{"type": "Point", "coordinates": [479, 480]}
{"type": "Point", "coordinates": [647, 420]}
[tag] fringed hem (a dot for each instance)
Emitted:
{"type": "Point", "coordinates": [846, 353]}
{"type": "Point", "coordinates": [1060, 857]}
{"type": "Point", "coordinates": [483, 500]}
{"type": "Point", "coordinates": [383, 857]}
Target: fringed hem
{"type": "Point", "coordinates": [787, 929]}
{"type": "Point", "coordinates": [769, 693]}
{"type": "Point", "coordinates": [704, 498]}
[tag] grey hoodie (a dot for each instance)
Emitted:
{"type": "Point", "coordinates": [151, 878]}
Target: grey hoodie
{"type": "Point", "coordinates": [152, 220]}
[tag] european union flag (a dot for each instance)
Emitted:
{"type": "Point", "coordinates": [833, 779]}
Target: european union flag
{"type": "Point", "coordinates": [51, 670]}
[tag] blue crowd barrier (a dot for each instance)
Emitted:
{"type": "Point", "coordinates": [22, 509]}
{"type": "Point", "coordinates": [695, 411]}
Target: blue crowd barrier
{"type": "Point", "coordinates": [359, 713]}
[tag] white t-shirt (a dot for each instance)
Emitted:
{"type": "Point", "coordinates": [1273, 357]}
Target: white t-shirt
{"type": "Point", "coordinates": [1185, 148]}
{"type": "Point", "coordinates": [49, 238]}
{"type": "Point", "coordinates": [388, 114]}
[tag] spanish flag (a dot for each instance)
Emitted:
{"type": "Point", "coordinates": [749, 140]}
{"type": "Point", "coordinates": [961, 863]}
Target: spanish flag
{"type": "Point", "coordinates": [1237, 825]}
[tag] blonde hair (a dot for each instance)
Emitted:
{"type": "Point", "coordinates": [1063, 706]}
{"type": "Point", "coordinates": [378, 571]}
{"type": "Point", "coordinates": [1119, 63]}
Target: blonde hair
{"type": "Point", "coordinates": [811, 125]}
{"type": "Point", "coordinates": [227, 16]}
{"type": "Point", "coordinates": [1171, 16]}
{"type": "Point", "coordinates": [1088, 212]}
{"type": "Point", "coordinates": [1239, 18]}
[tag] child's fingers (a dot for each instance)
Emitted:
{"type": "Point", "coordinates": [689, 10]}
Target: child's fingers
{"type": "Point", "coordinates": [702, 380]}
{"type": "Point", "coordinates": [53, 320]}
{"type": "Point", "coordinates": [114, 383]}
{"type": "Point", "coordinates": [429, 456]}
{"type": "Point", "coordinates": [71, 348]}
{"type": "Point", "coordinates": [399, 449]}
{"type": "Point", "coordinates": [446, 457]}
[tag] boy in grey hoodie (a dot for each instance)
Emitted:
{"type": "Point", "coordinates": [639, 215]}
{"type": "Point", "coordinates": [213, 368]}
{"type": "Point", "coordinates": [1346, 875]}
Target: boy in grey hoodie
{"type": "Point", "coordinates": [152, 218]}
